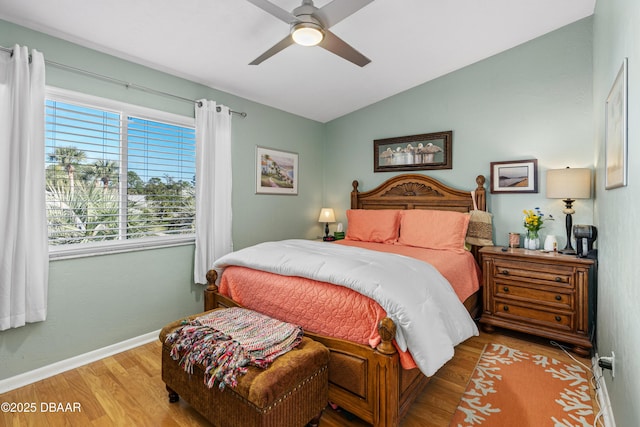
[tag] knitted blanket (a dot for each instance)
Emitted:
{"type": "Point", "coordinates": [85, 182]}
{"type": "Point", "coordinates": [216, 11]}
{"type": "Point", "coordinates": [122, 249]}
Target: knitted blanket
{"type": "Point", "coordinates": [225, 342]}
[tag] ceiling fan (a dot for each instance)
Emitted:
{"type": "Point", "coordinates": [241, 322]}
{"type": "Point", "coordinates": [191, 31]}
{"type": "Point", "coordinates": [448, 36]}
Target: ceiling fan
{"type": "Point", "coordinates": [310, 27]}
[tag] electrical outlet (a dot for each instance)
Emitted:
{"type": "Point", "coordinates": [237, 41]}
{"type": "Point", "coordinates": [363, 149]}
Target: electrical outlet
{"type": "Point", "coordinates": [608, 362]}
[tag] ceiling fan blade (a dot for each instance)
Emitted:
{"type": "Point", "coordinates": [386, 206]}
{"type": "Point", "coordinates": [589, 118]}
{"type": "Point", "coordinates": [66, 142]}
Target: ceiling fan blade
{"type": "Point", "coordinates": [336, 45]}
{"type": "Point", "coordinates": [334, 12]}
{"type": "Point", "coordinates": [274, 10]}
{"type": "Point", "coordinates": [285, 42]}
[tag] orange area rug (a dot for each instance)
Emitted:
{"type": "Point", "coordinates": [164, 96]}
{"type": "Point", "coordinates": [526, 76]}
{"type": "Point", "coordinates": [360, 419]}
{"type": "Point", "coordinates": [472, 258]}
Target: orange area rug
{"type": "Point", "coordinates": [510, 387]}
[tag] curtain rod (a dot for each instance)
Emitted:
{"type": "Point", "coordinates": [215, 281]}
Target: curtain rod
{"type": "Point", "coordinates": [125, 84]}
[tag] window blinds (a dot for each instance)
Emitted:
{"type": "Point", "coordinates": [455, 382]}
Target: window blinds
{"type": "Point", "coordinates": [114, 176]}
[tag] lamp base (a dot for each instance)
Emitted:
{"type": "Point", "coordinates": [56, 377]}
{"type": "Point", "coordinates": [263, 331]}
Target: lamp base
{"type": "Point", "coordinates": [567, 252]}
{"type": "Point", "coordinates": [568, 249]}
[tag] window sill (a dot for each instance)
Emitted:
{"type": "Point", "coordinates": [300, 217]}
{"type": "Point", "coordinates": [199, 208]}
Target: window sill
{"type": "Point", "coordinates": [116, 247]}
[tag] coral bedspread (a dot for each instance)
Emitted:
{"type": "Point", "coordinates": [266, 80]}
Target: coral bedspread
{"type": "Point", "coordinates": [336, 311]}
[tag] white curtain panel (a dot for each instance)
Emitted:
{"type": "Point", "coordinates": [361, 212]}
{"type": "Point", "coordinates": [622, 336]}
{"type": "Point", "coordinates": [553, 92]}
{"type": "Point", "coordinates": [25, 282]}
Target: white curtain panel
{"type": "Point", "coordinates": [213, 186]}
{"type": "Point", "coordinates": [24, 256]}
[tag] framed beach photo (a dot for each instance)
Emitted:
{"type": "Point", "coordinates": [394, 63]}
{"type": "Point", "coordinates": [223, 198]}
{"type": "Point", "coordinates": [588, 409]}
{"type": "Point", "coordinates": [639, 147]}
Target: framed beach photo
{"type": "Point", "coordinates": [414, 152]}
{"type": "Point", "coordinates": [616, 132]}
{"type": "Point", "coordinates": [276, 171]}
{"type": "Point", "coordinates": [516, 176]}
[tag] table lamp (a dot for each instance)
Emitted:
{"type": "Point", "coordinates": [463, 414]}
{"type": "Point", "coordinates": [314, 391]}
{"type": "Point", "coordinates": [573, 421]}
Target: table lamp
{"type": "Point", "coordinates": [569, 184]}
{"type": "Point", "coordinates": [326, 216]}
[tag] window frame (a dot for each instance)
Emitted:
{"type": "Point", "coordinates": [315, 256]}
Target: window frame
{"type": "Point", "coordinates": [126, 110]}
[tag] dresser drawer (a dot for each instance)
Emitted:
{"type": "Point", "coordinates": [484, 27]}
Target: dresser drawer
{"type": "Point", "coordinates": [540, 273]}
{"type": "Point", "coordinates": [533, 315]}
{"type": "Point", "coordinates": [557, 298]}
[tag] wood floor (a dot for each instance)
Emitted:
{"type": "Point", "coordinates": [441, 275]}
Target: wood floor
{"type": "Point", "coordinates": [127, 390]}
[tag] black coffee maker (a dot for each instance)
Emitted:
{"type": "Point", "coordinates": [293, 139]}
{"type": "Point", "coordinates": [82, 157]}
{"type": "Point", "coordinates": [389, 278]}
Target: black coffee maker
{"type": "Point", "coordinates": [585, 236]}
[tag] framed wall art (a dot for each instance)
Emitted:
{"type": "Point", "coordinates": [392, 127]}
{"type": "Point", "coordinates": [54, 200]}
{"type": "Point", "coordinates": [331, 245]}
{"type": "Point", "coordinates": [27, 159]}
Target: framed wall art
{"type": "Point", "coordinates": [616, 132]}
{"type": "Point", "coordinates": [415, 152]}
{"type": "Point", "coordinates": [516, 176]}
{"type": "Point", "coordinates": [276, 171]}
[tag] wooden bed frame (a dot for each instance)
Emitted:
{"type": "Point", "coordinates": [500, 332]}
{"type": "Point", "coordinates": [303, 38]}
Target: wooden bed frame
{"type": "Point", "coordinates": [370, 383]}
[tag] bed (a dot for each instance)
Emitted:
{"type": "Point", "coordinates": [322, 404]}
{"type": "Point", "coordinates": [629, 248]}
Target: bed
{"type": "Point", "coordinates": [371, 382]}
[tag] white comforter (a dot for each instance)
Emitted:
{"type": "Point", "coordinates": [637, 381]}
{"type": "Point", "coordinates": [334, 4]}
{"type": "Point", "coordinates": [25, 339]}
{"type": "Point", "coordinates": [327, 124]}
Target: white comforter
{"type": "Point", "coordinates": [430, 318]}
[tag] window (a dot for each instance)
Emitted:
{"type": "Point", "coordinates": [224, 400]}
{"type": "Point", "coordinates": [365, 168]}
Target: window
{"type": "Point", "coordinates": [116, 175]}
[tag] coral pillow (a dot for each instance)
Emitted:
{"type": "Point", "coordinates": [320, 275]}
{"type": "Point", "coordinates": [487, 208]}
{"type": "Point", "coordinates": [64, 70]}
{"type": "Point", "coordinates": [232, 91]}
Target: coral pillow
{"type": "Point", "coordinates": [379, 226]}
{"type": "Point", "coordinates": [433, 229]}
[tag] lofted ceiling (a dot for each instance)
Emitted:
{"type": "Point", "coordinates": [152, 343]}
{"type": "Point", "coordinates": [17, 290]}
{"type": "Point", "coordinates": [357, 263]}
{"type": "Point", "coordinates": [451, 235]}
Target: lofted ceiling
{"type": "Point", "coordinates": [212, 42]}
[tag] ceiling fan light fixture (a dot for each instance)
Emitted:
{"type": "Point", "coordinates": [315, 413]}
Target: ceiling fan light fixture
{"type": "Point", "coordinates": [307, 33]}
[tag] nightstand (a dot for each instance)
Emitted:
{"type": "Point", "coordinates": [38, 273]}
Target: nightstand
{"type": "Point", "coordinates": [545, 294]}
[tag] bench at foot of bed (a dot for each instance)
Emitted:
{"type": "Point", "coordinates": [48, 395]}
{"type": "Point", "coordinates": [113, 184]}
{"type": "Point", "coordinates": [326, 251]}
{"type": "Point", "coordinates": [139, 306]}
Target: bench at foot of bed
{"type": "Point", "coordinates": [292, 391]}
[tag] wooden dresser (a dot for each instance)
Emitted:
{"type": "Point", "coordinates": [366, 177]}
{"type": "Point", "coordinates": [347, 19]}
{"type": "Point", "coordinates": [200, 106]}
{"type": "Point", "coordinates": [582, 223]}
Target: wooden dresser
{"type": "Point", "coordinates": [546, 294]}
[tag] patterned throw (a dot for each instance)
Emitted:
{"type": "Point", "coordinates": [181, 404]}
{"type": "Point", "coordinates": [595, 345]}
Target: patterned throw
{"type": "Point", "coordinates": [510, 387]}
{"type": "Point", "coordinates": [225, 342]}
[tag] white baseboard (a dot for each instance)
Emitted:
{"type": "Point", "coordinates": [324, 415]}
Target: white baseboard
{"type": "Point", "coordinates": [30, 377]}
{"type": "Point", "coordinates": [602, 394]}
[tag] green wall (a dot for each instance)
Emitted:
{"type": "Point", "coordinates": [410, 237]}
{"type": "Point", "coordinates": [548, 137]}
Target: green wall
{"type": "Point", "coordinates": [533, 101]}
{"type": "Point", "coordinates": [98, 301]}
{"type": "Point", "coordinates": [616, 35]}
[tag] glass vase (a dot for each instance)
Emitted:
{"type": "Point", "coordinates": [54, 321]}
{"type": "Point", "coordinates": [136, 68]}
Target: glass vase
{"type": "Point", "coordinates": [532, 240]}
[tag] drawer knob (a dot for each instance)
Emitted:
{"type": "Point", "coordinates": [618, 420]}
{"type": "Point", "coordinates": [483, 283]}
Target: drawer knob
{"type": "Point", "coordinates": [505, 272]}
{"type": "Point", "coordinates": [558, 318]}
{"type": "Point", "coordinates": [505, 308]}
{"type": "Point", "coordinates": [558, 298]}
{"type": "Point", "coordinates": [558, 279]}
{"type": "Point", "coordinates": [506, 289]}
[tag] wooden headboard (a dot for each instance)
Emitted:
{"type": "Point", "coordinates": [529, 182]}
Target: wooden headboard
{"type": "Point", "coordinates": [413, 191]}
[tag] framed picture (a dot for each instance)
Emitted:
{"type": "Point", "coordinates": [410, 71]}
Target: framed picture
{"type": "Point", "coordinates": [616, 132]}
{"type": "Point", "coordinates": [415, 152]}
{"type": "Point", "coordinates": [516, 176]}
{"type": "Point", "coordinates": [276, 171]}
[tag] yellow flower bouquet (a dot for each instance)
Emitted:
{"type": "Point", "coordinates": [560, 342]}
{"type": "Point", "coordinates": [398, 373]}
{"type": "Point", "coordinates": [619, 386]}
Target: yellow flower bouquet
{"type": "Point", "coordinates": [533, 222]}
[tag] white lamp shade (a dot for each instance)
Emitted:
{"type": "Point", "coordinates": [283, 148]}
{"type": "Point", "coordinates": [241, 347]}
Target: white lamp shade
{"type": "Point", "coordinates": [327, 215]}
{"type": "Point", "coordinates": [569, 183]}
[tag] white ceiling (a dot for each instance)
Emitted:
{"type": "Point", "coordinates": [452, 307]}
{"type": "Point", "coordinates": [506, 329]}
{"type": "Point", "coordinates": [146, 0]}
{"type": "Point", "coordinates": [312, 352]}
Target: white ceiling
{"type": "Point", "coordinates": [212, 42]}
